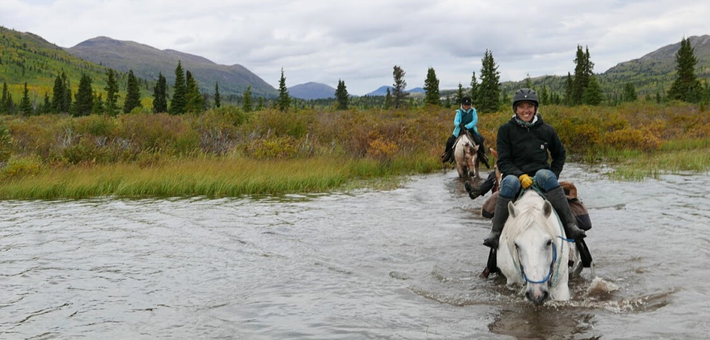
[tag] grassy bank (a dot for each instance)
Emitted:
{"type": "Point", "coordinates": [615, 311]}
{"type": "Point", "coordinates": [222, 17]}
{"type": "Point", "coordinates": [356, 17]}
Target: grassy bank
{"type": "Point", "coordinates": [227, 152]}
{"type": "Point", "coordinates": [211, 177]}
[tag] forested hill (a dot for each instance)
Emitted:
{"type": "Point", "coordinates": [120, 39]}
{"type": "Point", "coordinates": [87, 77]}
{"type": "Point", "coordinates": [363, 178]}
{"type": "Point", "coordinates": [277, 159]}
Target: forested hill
{"type": "Point", "coordinates": [26, 57]}
{"type": "Point", "coordinates": [652, 73]}
{"type": "Point", "coordinates": [146, 62]}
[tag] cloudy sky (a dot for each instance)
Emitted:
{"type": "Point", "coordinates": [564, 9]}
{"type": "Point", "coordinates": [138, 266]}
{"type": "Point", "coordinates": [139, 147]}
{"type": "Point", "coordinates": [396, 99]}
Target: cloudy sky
{"type": "Point", "coordinates": [359, 41]}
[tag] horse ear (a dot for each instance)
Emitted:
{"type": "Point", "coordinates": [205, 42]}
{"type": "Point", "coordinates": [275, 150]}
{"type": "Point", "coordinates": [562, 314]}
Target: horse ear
{"type": "Point", "coordinates": [511, 209]}
{"type": "Point", "coordinates": [547, 208]}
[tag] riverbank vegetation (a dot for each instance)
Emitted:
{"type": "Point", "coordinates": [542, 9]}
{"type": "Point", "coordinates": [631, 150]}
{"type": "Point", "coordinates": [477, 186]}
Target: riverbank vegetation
{"type": "Point", "coordinates": [228, 152]}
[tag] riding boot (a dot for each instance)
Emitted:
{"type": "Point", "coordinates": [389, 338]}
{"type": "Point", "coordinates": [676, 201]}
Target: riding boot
{"type": "Point", "coordinates": [499, 218]}
{"type": "Point", "coordinates": [559, 202]}
{"type": "Point", "coordinates": [448, 150]}
{"type": "Point", "coordinates": [473, 192]}
{"type": "Point", "coordinates": [482, 156]}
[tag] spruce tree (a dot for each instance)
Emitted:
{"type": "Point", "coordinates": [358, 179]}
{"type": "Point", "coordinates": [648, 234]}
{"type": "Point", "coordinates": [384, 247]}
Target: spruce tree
{"type": "Point", "coordinates": [98, 107]}
{"type": "Point", "coordinates": [246, 102]}
{"type": "Point", "coordinates": [67, 94]}
{"type": "Point", "coordinates": [593, 94]}
{"type": "Point", "coordinates": [474, 89]}
{"type": "Point", "coordinates": [284, 99]}
{"type": "Point", "coordinates": [25, 105]}
{"type": "Point", "coordinates": [630, 93]}
{"type": "Point", "coordinates": [58, 95]}
{"type": "Point", "coordinates": [177, 105]}
{"type": "Point", "coordinates": [686, 86]}
{"type": "Point", "coordinates": [217, 98]}
{"type": "Point", "coordinates": [160, 95]}
{"type": "Point", "coordinates": [194, 101]}
{"type": "Point", "coordinates": [111, 94]}
{"type": "Point", "coordinates": [259, 103]}
{"type": "Point", "coordinates": [489, 90]}
{"type": "Point", "coordinates": [569, 89]}
{"type": "Point", "coordinates": [388, 99]}
{"type": "Point", "coordinates": [431, 87]}
{"type": "Point", "coordinates": [133, 94]}
{"type": "Point", "coordinates": [341, 95]}
{"type": "Point", "coordinates": [460, 93]}
{"type": "Point", "coordinates": [5, 100]}
{"type": "Point", "coordinates": [84, 96]}
{"type": "Point", "coordinates": [47, 106]}
{"type": "Point", "coordinates": [398, 94]}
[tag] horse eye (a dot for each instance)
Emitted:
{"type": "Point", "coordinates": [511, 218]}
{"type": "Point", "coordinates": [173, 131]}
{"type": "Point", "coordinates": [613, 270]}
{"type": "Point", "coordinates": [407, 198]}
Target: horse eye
{"type": "Point", "coordinates": [517, 246]}
{"type": "Point", "coordinates": [549, 243]}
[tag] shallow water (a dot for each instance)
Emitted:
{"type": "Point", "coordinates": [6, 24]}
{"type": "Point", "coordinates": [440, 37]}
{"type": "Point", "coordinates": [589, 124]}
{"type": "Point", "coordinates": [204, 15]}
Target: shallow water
{"type": "Point", "coordinates": [399, 264]}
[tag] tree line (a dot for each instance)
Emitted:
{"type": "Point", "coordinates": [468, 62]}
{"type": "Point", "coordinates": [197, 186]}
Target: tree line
{"type": "Point", "coordinates": [580, 88]}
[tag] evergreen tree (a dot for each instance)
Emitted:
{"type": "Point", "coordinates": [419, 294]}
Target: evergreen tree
{"type": "Point", "coordinates": [246, 103]}
{"type": "Point", "coordinates": [593, 94]}
{"type": "Point", "coordinates": [459, 94]}
{"type": "Point", "coordinates": [399, 95]}
{"type": "Point", "coordinates": [284, 99]}
{"type": "Point", "coordinates": [6, 100]}
{"type": "Point", "coordinates": [217, 98]}
{"type": "Point", "coordinates": [67, 94]}
{"type": "Point", "coordinates": [583, 72]}
{"type": "Point", "coordinates": [84, 96]}
{"type": "Point", "coordinates": [259, 103]}
{"type": "Point", "coordinates": [98, 107]}
{"type": "Point", "coordinates": [388, 99]}
{"type": "Point", "coordinates": [489, 90]}
{"type": "Point", "coordinates": [341, 95]}
{"type": "Point", "coordinates": [686, 86]}
{"type": "Point", "coordinates": [177, 105]}
{"type": "Point", "coordinates": [544, 96]}
{"type": "Point", "coordinates": [528, 82]}
{"type": "Point", "coordinates": [160, 95]}
{"type": "Point", "coordinates": [25, 105]}
{"type": "Point", "coordinates": [133, 94]}
{"type": "Point", "coordinates": [474, 89]}
{"type": "Point", "coordinates": [194, 100]}
{"type": "Point", "coordinates": [111, 94]}
{"type": "Point", "coordinates": [47, 106]}
{"type": "Point", "coordinates": [630, 93]}
{"type": "Point", "coordinates": [569, 85]}
{"type": "Point", "coordinates": [431, 87]}
{"type": "Point", "coordinates": [58, 95]}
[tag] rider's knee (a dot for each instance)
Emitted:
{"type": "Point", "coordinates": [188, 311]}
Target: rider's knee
{"type": "Point", "coordinates": [546, 179]}
{"type": "Point", "coordinates": [509, 186]}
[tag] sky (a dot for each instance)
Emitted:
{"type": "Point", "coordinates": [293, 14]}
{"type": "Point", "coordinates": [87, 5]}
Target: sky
{"type": "Point", "coordinates": [360, 41]}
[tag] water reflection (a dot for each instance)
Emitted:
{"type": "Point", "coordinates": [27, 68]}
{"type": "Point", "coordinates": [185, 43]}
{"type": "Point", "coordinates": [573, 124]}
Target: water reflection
{"type": "Point", "coordinates": [544, 323]}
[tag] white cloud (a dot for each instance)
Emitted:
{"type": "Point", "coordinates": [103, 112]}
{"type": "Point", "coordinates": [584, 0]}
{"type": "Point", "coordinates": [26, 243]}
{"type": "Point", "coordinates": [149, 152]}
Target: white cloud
{"type": "Point", "coordinates": [360, 41]}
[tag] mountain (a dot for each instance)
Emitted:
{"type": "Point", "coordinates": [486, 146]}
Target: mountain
{"type": "Point", "coordinates": [146, 62]}
{"type": "Point", "coordinates": [382, 91]}
{"type": "Point", "coordinates": [27, 57]}
{"type": "Point", "coordinates": [652, 73]}
{"type": "Point", "coordinates": [311, 91]}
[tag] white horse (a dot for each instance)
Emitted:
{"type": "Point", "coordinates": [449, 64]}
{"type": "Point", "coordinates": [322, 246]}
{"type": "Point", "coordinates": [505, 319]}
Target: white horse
{"type": "Point", "coordinates": [533, 250]}
{"type": "Point", "coordinates": [466, 156]}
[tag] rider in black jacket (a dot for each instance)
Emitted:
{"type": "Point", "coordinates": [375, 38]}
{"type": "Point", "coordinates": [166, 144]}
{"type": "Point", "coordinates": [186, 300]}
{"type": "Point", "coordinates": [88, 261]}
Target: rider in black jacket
{"type": "Point", "coordinates": [523, 144]}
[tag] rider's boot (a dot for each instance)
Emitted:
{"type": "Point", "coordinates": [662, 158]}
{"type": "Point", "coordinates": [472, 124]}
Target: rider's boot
{"type": "Point", "coordinates": [559, 202]}
{"type": "Point", "coordinates": [499, 218]}
{"type": "Point", "coordinates": [473, 192]}
{"type": "Point", "coordinates": [449, 149]}
{"type": "Point", "coordinates": [482, 156]}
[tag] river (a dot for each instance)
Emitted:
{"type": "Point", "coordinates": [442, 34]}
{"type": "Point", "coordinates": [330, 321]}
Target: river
{"type": "Point", "coordinates": [396, 264]}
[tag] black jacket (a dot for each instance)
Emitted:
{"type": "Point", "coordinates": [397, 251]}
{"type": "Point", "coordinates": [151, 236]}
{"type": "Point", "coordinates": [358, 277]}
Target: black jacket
{"type": "Point", "coordinates": [524, 150]}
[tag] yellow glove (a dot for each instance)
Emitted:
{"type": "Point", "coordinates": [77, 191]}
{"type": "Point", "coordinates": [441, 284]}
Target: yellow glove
{"type": "Point", "coordinates": [525, 181]}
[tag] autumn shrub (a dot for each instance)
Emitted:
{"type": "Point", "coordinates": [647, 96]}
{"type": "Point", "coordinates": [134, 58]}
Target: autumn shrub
{"type": "Point", "coordinates": [159, 132]}
{"type": "Point", "coordinates": [273, 148]}
{"type": "Point", "coordinates": [382, 150]}
{"type": "Point", "coordinates": [22, 166]}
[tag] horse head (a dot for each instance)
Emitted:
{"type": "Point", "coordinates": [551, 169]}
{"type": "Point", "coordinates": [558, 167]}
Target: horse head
{"type": "Point", "coordinates": [536, 254]}
{"type": "Point", "coordinates": [465, 154]}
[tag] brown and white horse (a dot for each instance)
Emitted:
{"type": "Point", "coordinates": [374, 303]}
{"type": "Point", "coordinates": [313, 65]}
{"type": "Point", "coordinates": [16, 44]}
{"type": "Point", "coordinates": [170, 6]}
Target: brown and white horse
{"type": "Point", "coordinates": [466, 156]}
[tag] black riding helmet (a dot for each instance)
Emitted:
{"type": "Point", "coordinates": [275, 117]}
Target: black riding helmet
{"type": "Point", "coordinates": [525, 95]}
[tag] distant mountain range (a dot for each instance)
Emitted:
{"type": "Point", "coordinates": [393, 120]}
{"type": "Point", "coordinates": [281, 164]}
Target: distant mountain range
{"type": "Point", "coordinates": [311, 91]}
{"type": "Point", "coordinates": [146, 62]}
{"type": "Point", "coordinates": [382, 91]}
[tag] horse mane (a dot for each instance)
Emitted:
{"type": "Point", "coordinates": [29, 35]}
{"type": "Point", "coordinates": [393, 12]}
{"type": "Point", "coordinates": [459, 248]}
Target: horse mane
{"type": "Point", "coordinates": [529, 209]}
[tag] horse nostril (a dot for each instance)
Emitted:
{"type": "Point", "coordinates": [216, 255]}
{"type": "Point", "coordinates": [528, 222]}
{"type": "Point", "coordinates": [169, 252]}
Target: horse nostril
{"type": "Point", "coordinates": [529, 296]}
{"type": "Point", "coordinates": [545, 296]}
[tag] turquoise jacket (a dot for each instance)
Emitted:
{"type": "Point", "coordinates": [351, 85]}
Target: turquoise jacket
{"type": "Point", "coordinates": [468, 117]}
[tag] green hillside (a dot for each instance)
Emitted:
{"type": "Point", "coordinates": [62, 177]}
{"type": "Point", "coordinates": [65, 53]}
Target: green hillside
{"type": "Point", "coordinates": [26, 57]}
{"type": "Point", "coordinates": [652, 73]}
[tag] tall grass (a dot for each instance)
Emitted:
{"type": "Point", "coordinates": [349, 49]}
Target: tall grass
{"type": "Point", "coordinates": [228, 152]}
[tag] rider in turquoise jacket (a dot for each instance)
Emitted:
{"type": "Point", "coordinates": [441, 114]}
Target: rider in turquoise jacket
{"type": "Point", "coordinates": [468, 117]}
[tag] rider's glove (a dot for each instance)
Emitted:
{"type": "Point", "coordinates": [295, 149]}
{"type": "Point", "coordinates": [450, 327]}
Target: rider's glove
{"type": "Point", "coordinates": [525, 181]}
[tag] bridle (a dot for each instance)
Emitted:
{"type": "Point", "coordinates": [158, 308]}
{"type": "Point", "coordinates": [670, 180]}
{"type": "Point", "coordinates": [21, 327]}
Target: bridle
{"type": "Point", "coordinates": [552, 266]}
